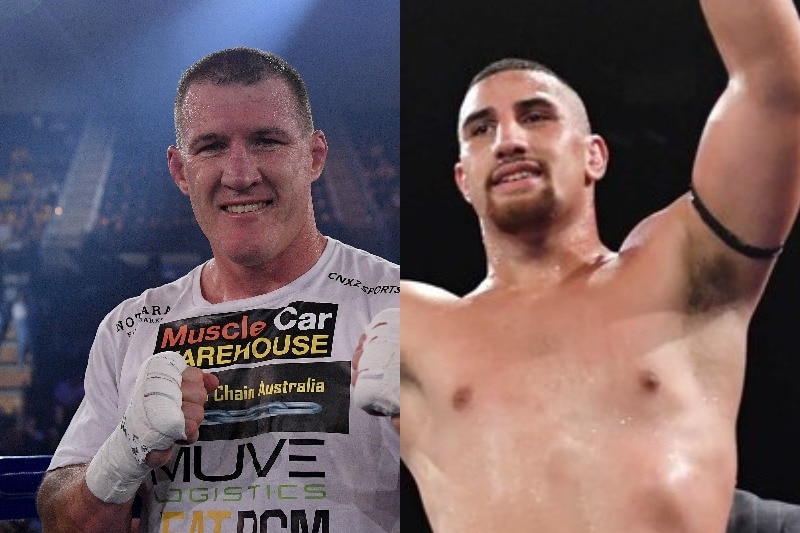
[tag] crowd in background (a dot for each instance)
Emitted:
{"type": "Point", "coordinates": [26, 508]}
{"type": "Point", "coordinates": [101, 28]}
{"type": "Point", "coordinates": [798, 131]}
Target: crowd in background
{"type": "Point", "coordinates": [142, 215]}
{"type": "Point", "coordinates": [35, 152]}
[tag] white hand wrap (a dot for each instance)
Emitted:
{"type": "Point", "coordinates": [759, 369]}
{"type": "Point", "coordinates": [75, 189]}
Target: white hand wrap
{"type": "Point", "coordinates": [377, 389]}
{"type": "Point", "coordinates": [152, 421]}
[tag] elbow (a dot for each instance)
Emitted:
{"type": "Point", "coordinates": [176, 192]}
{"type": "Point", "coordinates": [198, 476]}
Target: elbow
{"type": "Point", "coordinates": [59, 505]}
{"type": "Point", "coordinates": [52, 512]}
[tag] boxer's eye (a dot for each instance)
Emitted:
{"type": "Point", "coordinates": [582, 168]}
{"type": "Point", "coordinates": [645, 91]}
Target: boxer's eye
{"type": "Point", "coordinates": [529, 118]}
{"type": "Point", "coordinates": [480, 128]}
{"type": "Point", "coordinates": [211, 147]}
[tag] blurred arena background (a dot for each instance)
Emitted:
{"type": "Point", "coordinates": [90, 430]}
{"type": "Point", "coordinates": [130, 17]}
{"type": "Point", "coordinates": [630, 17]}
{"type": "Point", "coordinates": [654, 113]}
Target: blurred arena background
{"type": "Point", "coordinates": [89, 215]}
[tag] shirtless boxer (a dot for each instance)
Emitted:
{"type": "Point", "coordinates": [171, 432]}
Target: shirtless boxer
{"type": "Point", "coordinates": [581, 389]}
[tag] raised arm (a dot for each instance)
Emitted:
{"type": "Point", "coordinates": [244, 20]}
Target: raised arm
{"type": "Point", "coordinates": [747, 170]}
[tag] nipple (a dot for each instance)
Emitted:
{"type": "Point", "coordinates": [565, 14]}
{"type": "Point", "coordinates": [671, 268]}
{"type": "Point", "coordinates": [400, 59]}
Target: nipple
{"type": "Point", "coordinates": [649, 381]}
{"type": "Point", "coordinates": [462, 398]}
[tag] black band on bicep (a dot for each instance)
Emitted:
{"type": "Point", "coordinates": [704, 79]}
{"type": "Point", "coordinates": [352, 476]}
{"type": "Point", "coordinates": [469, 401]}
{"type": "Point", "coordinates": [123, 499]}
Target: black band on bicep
{"type": "Point", "coordinates": [754, 252]}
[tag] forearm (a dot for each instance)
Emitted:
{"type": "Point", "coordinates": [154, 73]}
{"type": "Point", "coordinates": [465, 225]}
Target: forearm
{"type": "Point", "coordinates": [759, 41]}
{"type": "Point", "coordinates": [66, 505]}
{"type": "Point", "coordinates": [98, 496]}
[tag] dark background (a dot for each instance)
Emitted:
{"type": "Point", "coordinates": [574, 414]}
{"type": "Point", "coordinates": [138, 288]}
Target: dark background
{"type": "Point", "coordinates": [649, 75]}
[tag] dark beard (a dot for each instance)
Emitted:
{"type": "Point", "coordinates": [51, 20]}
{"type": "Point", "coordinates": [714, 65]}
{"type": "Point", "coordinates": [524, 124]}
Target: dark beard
{"type": "Point", "coordinates": [524, 214]}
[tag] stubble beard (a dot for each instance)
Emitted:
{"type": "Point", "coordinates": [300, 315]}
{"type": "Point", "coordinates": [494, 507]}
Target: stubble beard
{"type": "Point", "coordinates": [517, 215]}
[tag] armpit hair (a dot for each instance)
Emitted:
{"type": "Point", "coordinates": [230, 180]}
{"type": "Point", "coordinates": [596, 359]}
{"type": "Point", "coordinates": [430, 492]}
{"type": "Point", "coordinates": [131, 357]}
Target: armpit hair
{"type": "Point", "coordinates": [712, 282]}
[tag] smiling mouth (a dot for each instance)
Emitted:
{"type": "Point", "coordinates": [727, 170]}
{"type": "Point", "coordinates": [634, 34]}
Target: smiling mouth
{"type": "Point", "coordinates": [516, 176]}
{"type": "Point", "coordinates": [515, 180]}
{"type": "Point", "coordinates": [245, 208]}
{"type": "Point", "coordinates": [516, 171]}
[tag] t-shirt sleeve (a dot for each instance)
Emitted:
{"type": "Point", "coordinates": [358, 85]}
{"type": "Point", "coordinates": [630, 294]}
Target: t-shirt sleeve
{"type": "Point", "coordinates": [99, 413]}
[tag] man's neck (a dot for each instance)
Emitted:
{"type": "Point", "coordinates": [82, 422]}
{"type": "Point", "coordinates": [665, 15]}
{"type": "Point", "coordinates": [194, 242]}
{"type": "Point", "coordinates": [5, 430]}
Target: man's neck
{"type": "Point", "coordinates": [223, 280]}
{"type": "Point", "coordinates": [540, 261]}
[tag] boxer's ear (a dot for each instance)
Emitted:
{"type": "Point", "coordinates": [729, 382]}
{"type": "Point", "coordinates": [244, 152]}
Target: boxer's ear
{"type": "Point", "coordinates": [461, 181]}
{"type": "Point", "coordinates": [597, 158]}
{"type": "Point", "coordinates": [176, 165]}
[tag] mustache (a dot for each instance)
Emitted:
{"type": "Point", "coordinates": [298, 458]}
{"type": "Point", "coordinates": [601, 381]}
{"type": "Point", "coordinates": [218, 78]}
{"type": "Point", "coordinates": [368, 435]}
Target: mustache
{"type": "Point", "coordinates": [513, 165]}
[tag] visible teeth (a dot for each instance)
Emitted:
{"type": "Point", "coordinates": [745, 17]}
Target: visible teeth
{"type": "Point", "coordinates": [517, 176]}
{"type": "Point", "coordinates": [245, 208]}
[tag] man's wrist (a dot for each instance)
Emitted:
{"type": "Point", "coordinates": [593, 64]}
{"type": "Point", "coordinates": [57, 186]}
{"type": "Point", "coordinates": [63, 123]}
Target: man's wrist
{"type": "Point", "coordinates": [114, 474]}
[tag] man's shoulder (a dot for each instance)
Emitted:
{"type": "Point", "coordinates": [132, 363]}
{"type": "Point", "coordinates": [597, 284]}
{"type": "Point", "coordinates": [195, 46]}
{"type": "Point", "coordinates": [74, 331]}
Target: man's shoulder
{"type": "Point", "coordinates": [359, 255]}
{"type": "Point", "coordinates": [421, 293]}
{"type": "Point", "coordinates": [366, 268]}
{"type": "Point", "coordinates": [151, 306]}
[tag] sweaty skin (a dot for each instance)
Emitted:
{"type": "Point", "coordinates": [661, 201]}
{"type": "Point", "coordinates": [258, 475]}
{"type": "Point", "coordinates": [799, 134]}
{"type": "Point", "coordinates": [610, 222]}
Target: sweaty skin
{"type": "Point", "coordinates": [577, 389]}
{"type": "Point", "coordinates": [594, 406]}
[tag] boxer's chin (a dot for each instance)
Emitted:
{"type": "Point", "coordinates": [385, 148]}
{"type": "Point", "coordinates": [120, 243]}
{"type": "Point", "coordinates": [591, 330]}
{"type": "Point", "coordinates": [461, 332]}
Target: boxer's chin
{"type": "Point", "coordinates": [514, 215]}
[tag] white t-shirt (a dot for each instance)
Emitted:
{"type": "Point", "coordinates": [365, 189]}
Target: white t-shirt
{"type": "Point", "coordinates": [282, 447]}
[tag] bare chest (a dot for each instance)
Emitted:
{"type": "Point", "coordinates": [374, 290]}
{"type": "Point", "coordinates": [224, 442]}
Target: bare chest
{"type": "Point", "coordinates": [553, 352]}
{"type": "Point", "coordinates": [561, 402]}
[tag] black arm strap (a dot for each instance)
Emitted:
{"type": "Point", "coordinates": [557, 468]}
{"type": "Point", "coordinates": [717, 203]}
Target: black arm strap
{"type": "Point", "coordinates": [754, 252]}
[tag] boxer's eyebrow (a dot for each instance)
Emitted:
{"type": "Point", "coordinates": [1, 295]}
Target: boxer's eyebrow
{"type": "Point", "coordinates": [476, 116]}
{"type": "Point", "coordinates": [535, 103]}
{"type": "Point", "coordinates": [538, 103]}
{"type": "Point", "coordinates": [207, 138]}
